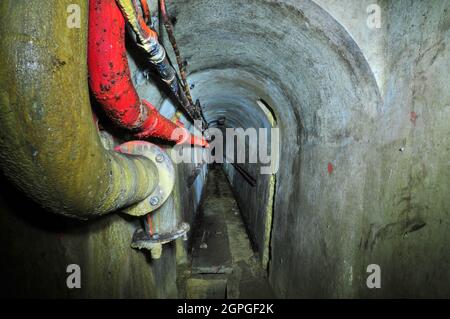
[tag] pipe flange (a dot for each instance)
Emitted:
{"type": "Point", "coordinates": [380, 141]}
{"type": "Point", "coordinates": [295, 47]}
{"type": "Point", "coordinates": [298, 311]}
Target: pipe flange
{"type": "Point", "coordinates": [166, 176]}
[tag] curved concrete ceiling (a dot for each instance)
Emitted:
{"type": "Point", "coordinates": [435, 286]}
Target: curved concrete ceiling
{"type": "Point", "coordinates": [299, 60]}
{"type": "Point", "coordinates": [292, 54]}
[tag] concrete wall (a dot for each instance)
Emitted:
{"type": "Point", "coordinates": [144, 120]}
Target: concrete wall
{"type": "Point", "coordinates": [396, 215]}
{"type": "Point", "coordinates": [408, 228]}
{"type": "Point", "coordinates": [380, 205]}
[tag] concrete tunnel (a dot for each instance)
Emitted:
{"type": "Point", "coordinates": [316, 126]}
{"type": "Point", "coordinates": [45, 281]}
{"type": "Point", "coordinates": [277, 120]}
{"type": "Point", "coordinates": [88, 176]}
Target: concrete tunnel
{"type": "Point", "coordinates": [362, 107]}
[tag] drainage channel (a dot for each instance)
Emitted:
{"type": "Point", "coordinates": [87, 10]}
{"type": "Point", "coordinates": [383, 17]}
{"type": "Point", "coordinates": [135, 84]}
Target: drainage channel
{"type": "Point", "coordinates": [223, 264]}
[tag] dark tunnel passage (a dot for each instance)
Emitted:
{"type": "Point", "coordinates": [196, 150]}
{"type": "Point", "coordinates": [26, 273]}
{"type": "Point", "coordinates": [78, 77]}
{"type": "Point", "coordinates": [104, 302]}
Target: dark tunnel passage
{"type": "Point", "coordinates": [359, 174]}
{"type": "Point", "coordinates": [324, 98]}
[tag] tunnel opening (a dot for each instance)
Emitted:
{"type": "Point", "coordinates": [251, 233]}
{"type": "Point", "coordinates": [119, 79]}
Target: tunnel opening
{"type": "Point", "coordinates": [299, 71]}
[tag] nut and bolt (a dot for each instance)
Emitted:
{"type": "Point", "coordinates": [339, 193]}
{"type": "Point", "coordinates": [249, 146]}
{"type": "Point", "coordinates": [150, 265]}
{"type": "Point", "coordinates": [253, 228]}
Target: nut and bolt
{"type": "Point", "coordinates": [155, 236]}
{"type": "Point", "coordinates": [159, 158]}
{"type": "Point", "coordinates": [154, 201]}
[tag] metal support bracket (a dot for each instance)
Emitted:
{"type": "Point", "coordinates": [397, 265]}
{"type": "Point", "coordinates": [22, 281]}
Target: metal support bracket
{"type": "Point", "coordinates": [143, 240]}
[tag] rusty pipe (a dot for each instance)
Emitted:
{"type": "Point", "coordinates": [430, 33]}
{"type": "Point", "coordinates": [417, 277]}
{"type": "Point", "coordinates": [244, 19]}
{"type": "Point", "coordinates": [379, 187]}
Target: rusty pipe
{"type": "Point", "coordinates": [49, 145]}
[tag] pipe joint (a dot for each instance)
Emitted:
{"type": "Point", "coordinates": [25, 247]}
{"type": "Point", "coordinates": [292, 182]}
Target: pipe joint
{"type": "Point", "coordinates": [165, 171]}
{"type": "Point", "coordinates": [157, 54]}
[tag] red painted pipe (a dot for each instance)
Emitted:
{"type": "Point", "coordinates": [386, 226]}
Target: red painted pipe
{"type": "Point", "coordinates": [110, 79]}
{"type": "Point", "coordinates": [159, 126]}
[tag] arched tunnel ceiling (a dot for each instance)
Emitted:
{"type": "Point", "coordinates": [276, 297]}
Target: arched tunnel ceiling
{"type": "Point", "coordinates": [233, 94]}
{"type": "Point", "coordinates": [292, 54]}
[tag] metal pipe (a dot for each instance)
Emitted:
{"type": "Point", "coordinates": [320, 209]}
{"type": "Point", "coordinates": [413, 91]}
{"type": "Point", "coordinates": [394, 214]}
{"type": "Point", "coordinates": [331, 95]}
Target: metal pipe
{"type": "Point", "coordinates": [110, 79]}
{"type": "Point", "coordinates": [246, 175]}
{"type": "Point", "coordinates": [49, 145]}
{"type": "Point", "coordinates": [145, 10]}
{"type": "Point", "coordinates": [169, 28]}
{"type": "Point", "coordinates": [158, 57]}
